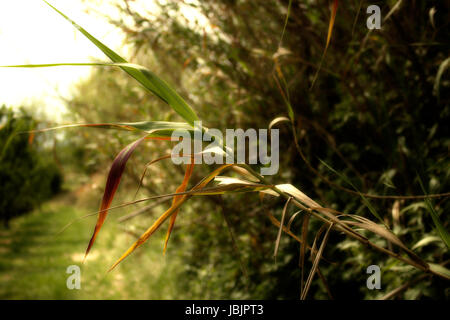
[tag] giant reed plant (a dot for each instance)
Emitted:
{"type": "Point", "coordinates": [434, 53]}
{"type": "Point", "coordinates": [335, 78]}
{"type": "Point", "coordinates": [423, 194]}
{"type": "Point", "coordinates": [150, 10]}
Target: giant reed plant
{"type": "Point", "coordinates": [249, 181]}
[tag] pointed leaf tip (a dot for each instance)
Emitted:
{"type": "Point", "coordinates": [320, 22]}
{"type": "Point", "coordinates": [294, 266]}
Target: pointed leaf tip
{"type": "Point", "coordinates": [181, 188]}
{"type": "Point", "coordinates": [112, 183]}
{"type": "Point", "coordinates": [145, 77]}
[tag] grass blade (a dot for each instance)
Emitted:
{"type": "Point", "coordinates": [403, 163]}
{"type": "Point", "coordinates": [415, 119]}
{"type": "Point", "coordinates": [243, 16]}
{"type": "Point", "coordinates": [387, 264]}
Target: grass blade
{"type": "Point", "coordinates": [426, 241]}
{"type": "Point", "coordinates": [297, 194]}
{"type": "Point", "coordinates": [285, 22]}
{"type": "Point", "coordinates": [437, 82]}
{"type": "Point", "coordinates": [141, 180]}
{"type": "Point", "coordinates": [443, 233]}
{"type": "Point", "coordinates": [144, 237]}
{"type": "Point", "coordinates": [331, 24]}
{"type": "Point", "coordinates": [443, 271]}
{"type": "Point", "coordinates": [303, 247]}
{"type": "Point", "coordinates": [316, 263]}
{"type": "Point", "coordinates": [385, 233]}
{"type": "Point", "coordinates": [330, 32]}
{"type": "Point", "coordinates": [277, 121]}
{"type": "Point", "coordinates": [283, 215]}
{"type": "Point", "coordinates": [152, 128]}
{"type": "Point", "coordinates": [291, 220]}
{"type": "Point", "coordinates": [181, 188]}
{"type": "Point", "coordinates": [363, 198]}
{"type": "Point", "coordinates": [148, 79]}
{"type": "Point", "coordinates": [112, 183]}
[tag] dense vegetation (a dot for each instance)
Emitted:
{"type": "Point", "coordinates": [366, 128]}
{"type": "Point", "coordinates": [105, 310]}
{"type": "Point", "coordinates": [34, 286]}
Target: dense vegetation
{"type": "Point", "coordinates": [375, 115]}
{"type": "Point", "coordinates": [374, 122]}
{"type": "Point", "coordinates": [28, 174]}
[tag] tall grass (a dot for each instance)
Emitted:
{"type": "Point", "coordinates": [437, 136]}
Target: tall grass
{"type": "Point", "coordinates": [250, 181]}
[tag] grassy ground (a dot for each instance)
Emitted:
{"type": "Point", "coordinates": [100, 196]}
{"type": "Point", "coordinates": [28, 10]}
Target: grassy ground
{"type": "Point", "coordinates": [33, 259]}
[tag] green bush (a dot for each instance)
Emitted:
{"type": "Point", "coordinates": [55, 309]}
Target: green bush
{"type": "Point", "coordinates": [27, 177]}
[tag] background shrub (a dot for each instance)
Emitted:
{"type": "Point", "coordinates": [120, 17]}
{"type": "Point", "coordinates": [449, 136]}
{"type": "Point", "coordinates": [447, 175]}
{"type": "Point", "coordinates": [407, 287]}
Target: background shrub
{"type": "Point", "coordinates": [28, 176]}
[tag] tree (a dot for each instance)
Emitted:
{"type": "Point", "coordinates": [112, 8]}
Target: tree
{"type": "Point", "coordinates": [27, 176]}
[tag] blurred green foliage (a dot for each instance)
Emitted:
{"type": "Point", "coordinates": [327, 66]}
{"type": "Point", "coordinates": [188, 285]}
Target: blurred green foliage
{"type": "Point", "coordinates": [28, 175]}
{"type": "Point", "coordinates": [373, 115]}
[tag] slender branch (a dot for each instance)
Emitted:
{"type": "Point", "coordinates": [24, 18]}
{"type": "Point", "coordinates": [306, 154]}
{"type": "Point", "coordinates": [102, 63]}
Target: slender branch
{"type": "Point", "coordinates": [142, 210]}
{"type": "Point", "coordinates": [402, 288]}
{"type": "Point", "coordinates": [328, 181]}
{"type": "Point", "coordinates": [338, 225]}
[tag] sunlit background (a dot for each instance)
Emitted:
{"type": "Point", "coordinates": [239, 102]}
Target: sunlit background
{"type": "Point", "coordinates": [31, 33]}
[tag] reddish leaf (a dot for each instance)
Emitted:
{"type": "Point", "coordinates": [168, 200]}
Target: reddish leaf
{"type": "Point", "coordinates": [112, 183]}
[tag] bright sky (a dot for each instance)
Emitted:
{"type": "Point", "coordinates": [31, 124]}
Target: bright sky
{"type": "Point", "coordinates": [32, 33]}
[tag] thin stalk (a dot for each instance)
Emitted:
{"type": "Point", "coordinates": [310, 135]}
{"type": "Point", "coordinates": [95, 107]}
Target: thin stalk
{"type": "Point", "coordinates": [340, 227]}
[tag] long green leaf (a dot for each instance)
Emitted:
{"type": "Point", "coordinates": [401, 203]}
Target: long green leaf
{"type": "Point", "coordinates": [443, 233]}
{"type": "Point", "coordinates": [440, 270]}
{"type": "Point", "coordinates": [152, 128]}
{"type": "Point", "coordinates": [364, 199]}
{"type": "Point", "coordinates": [145, 77]}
